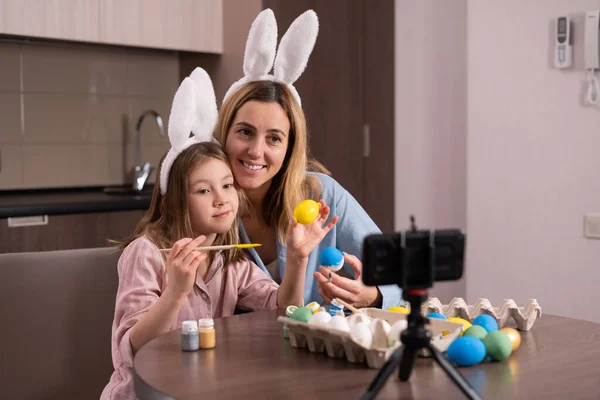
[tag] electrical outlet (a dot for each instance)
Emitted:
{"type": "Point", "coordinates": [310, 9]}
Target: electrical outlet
{"type": "Point", "coordinates": [591, 224]}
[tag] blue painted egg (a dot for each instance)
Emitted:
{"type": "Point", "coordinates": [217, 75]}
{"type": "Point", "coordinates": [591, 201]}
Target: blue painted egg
{"type": "Point", "coordinates": [466, 351]}
{"type": "Point", "coordinates": [487, 322]}
{"type": "Point", "coordinates": [331, 257]}
{"type": "Point", "coordinates": [436, 315]}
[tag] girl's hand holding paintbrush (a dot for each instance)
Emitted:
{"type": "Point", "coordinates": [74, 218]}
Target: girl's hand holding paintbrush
{"type": "Point", "coordinates": [182, 264]}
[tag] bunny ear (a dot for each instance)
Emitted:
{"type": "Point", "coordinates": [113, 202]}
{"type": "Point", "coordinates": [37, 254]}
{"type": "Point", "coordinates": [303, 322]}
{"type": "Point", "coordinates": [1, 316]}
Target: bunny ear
{"type": "Point", "coordinates": [295, 47]}
{"type": "Point", "coordinates": [261, 45]}
{"type": "Point", "coordinates": [183, 114]}
{"type": "Point", "coordinates": [206, 112]}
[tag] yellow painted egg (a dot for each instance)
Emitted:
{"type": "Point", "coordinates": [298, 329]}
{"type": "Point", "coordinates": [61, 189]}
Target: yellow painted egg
{"type": "Point", "coordinates": [306, 211]}
{"type": "Point", "coordinates": [514, 336]}
{"type": "Point", "coordinates": [466, 324]}
{"type": "Point", "coordinates": [399, 309]}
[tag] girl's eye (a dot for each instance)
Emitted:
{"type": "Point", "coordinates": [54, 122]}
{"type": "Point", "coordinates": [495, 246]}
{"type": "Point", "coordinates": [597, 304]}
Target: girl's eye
{"type": "Point", "coordinates": [228, 186]}
{"type": "Point", "coordinates": [244, 132]}
{"type": "Point", "coordinates": [275, 139]}
{"type": "Point", "coordinates": [202, 191]}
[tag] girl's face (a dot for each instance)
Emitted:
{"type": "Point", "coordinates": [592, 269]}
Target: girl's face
{"type": "Point", "coordinates": [212, 198]}
{"type": "Point", "coordinates": [257, 143]}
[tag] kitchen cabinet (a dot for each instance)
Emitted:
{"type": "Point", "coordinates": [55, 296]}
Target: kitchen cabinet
{"type": "Point", "coordinates": [190, 25]}
{"type": "Point", "coordinates": [71, 231]}
{"type": "Point", "coordinates": [186, 25]}
{"type": "Point", "coordinates": [75, 20]}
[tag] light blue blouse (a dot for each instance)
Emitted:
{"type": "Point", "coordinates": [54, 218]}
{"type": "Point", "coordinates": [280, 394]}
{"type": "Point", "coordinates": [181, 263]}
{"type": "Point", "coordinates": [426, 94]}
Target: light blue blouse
{"type": "Point", "coordinates": [347, 235]}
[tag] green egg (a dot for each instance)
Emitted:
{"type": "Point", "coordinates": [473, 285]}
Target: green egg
{"type": "Point", "coordinates": [304, 314]}
{"type": "Point", "coordinates": [476, 331]}
{"type": "Point", "coordinates": [498, 345]}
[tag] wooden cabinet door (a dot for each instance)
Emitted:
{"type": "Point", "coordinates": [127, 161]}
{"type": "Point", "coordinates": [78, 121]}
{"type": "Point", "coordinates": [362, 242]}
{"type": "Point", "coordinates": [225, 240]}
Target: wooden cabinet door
{"type": "Point", "coordinates": [347, 93]}
{"type": "Point", "coordinates": [72, 231]}
{"type": "Point", "coordinates": [330, 87]}
{"type": "Point", "coordinates": [192, 25]}
{"type": "Point", "coordinates": [53, 19]}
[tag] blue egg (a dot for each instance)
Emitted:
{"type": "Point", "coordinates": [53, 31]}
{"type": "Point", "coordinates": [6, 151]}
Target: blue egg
{"type": "Point", "coordinates": [466, 351]}
{"type": "Point", "coordinates": [331, 257]}
{"type": "Point", "coordinates": [487, 322]}
{"type": "Point", "coordinates": [436, 315]}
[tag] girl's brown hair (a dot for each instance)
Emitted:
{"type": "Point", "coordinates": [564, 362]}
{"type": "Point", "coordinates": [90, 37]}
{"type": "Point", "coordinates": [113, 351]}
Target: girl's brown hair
{"type": "Point", "coordinates": [168, 219]}
{"type": "Point", "coordinates": [291, 184]}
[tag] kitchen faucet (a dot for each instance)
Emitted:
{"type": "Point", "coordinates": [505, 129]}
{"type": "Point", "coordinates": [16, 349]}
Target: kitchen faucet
{"type": "Point", "coordinates": [142, 172]}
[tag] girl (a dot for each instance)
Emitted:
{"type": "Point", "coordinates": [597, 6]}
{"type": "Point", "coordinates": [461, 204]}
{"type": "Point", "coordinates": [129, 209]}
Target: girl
{"type": "Point", "coordinates": [263, 130]}
{"type": "Point", "coordinates": [194, 204]}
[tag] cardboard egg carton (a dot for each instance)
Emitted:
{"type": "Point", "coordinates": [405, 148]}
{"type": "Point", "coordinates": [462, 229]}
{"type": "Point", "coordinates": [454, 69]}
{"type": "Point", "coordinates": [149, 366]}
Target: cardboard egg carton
{"type": "Point", "coordinates": [339, 344]}
{"type": "Point", "coordinates": [525, 317]}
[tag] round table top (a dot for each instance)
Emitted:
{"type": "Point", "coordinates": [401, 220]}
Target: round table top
{"type": "Point", "coordinates": [558, 358]}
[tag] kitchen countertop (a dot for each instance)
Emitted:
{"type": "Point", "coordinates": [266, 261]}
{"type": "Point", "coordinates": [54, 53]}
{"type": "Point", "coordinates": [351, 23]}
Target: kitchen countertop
{"type": "Point", "coordinates": [60, 201]}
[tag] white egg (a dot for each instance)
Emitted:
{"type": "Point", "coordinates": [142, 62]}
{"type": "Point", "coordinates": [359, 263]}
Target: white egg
{"type": "Point", "coordinates": [320, 318]}
{"type": "Point", "coordinates": [396, 329]}
{"type": "Point", "coordinates": [381, 322]}
{"type": "Point", "coordinates": [339, 322]}
{"type": "Point", "coordinates": [358, 317]}
{"type": "Point", "coordinates": [361, 334]}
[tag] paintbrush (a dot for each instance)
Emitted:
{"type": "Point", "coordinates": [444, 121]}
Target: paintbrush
{"type": "Point", "coordinates": [225, 247]}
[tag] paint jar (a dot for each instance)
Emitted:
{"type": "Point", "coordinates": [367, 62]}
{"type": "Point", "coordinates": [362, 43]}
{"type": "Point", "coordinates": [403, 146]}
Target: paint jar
{"type": "Point", "coordinates": [335, 306]}
{"type": "Point", "coordinates": [189, 336]}
{"type": "Point", "coordinates": [206, 331]}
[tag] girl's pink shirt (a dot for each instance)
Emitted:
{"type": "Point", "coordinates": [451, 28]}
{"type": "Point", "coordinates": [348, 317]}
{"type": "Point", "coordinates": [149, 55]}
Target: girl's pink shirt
{"type": "Point", "coordinates": [142, 279]}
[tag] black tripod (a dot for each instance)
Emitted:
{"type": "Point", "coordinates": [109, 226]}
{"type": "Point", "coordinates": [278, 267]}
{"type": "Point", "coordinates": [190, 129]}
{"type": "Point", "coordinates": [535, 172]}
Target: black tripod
{"type": "Point", "coordinates": [414, 338]}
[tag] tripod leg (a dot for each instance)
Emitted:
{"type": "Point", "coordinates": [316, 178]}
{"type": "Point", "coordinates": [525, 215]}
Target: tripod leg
{"type": "Point", "coordinates": [407, 362]}
{"type": "Point", "coordinates": [453, 373]}
{"type": "Point", "coordinates": [383, 374]}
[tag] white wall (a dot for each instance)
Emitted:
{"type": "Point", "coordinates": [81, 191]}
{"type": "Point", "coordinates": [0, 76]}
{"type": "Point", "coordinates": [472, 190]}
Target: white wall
{"type": "Point", "coordinates": [431, 115]}
{"type": "Point", "coordinates": [533, 160]}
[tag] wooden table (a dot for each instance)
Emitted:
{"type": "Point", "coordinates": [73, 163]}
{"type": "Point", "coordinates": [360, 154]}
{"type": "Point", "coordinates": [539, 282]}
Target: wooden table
{"type": "Point", "coordinates": [558, 359]}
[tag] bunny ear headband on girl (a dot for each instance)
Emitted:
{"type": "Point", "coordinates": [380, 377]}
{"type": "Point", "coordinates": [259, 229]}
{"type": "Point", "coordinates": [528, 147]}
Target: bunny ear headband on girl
{"type": "Point", "coordinates": [291, 57]}
{"type": "Point", "coordinates": [192, 120]}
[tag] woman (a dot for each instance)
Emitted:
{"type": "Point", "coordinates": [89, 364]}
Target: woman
{"type": "Point", "coordinates": [263, 130]}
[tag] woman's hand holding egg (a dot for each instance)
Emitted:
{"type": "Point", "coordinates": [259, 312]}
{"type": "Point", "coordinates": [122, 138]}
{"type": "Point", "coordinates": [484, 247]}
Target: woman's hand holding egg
{"type": "Point", "coordinates": [352, 291]}
{"type": "Point", "coordinates": [305, 234]}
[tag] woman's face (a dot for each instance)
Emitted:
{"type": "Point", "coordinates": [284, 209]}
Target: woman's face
{"type": "Point", "coordinates": [257, 143]}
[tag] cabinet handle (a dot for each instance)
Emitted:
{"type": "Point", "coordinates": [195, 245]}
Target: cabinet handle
{"type": "Point", "coordinates": [366, 140]}
{"type": "Point", "coordinates": [36, 220]}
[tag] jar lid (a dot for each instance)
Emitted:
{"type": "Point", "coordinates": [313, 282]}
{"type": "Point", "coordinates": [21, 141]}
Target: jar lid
{"type": "Point", "coordinates": [189, 326]}
{"type": "Point", "coordinates": [206, 322]}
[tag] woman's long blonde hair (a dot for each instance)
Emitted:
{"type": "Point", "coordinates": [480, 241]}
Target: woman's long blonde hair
{"type": "Point", "coordinates": [291, 184]}
{"type": "Point", "coordinates": [168, 218]}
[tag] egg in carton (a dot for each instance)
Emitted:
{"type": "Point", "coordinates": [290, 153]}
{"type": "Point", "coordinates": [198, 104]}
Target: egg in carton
{"type": "Point", "coordinates": [524, 317]}
{"type": "Point", "coordinates": [347, 337]}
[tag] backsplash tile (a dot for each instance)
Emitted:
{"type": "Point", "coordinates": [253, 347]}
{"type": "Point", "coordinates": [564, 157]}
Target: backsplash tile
{"type": "Point", "coordinates": [10, 66]}
{"type": "Point", "coordinates": [80, 107]}
{"type": "Point", "coordinates": [56, 117]}
{"type": "Point", "coordinates": [108, 72]}
{"type": "Point", "coordinates": [11, 166]}
{"type": "Point", "coordinates": [54, 69]}
{"type": "Point", "coordinates": [152, 75]}
{"type": "Point", "coordinates": [10, 117]}
{"type": "Point", "coordinates": [108, 119]}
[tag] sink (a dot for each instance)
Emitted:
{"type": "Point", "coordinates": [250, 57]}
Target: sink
{"type": "Point", "coordinates": [128, 191]}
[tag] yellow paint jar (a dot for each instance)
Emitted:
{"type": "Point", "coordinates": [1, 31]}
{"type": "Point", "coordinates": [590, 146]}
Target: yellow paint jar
{"type": "Point", "coordinates": [206, 333]}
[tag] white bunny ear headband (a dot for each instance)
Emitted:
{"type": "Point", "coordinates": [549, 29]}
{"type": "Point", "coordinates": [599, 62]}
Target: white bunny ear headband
{"type": "Point", "coordinates": [290, 59]}
{"type": "Point", "coordinates": [194, 110]}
